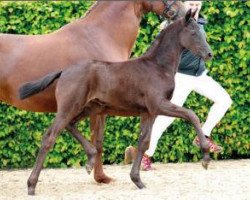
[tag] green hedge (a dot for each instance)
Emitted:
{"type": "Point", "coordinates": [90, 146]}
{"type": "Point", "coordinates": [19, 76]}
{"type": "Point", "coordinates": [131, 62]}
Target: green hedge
{"type": "Point", "coordinates": [228, 34]}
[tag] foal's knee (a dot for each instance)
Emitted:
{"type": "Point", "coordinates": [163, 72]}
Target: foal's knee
{"type": "Point", "coordinates": [48, 140]}
{"type": "Point", "coordinates": [48, 143]}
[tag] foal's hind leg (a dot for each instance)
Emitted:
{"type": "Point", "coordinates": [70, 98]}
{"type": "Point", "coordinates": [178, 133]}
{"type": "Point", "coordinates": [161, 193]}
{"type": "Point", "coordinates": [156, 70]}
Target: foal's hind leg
{"type": "Point", "coordinates": [47, 143]}
{"type": "Point", "coordinates": [97, 123]}
{"type": "Point", "coordinates": [146, 127]}
{"type": "Point", "coordinates": [169, 109]}
{"type": "Point", "coordinates": [88, 147]}
{"type": "Point", "coordinates": [97, 130]}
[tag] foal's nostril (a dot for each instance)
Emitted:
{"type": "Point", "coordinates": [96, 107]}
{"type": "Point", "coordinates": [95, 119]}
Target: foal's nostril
{"type": "Point", "coordinates": [210, 55]}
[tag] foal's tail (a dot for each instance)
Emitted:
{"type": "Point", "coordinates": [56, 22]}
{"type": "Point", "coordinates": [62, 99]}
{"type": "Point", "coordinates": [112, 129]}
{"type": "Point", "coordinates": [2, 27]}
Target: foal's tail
{"type": "Point", "coordinates": [35, 87]}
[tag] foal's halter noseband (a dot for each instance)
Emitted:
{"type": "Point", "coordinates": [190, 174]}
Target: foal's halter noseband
{"type": "Point", "coordinates": [168, 11]}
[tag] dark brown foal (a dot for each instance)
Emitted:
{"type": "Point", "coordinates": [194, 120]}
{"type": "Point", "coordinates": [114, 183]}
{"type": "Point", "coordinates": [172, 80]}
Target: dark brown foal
{"type": "Point", "coordinates": [107, 32]}
{"type": "Point", "coordinates": [139, 87]}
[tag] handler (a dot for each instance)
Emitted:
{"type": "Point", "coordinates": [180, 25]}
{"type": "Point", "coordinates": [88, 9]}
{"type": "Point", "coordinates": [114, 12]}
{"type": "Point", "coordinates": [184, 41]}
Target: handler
{"type": "Point", "coordinates": [191, 76]}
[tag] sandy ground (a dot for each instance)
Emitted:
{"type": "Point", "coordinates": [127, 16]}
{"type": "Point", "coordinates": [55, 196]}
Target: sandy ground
{"type": "Point", "coordinates": [224, 180]}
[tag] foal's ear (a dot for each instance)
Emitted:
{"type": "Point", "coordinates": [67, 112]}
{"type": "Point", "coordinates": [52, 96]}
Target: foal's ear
{"type": "Point", "coordinates": [188, 16]}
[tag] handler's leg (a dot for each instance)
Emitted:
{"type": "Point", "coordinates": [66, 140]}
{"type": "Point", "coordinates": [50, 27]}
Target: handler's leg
{"type": "Point", "coordinates": [211, 89]}
{"type": "Point", "coordinates": [183, 87]}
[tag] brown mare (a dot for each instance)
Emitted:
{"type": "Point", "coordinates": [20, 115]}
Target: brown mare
{"type": "Point", "coordinates": [138, 87]}
{"type": "Point", "coordinates": [108, 33]}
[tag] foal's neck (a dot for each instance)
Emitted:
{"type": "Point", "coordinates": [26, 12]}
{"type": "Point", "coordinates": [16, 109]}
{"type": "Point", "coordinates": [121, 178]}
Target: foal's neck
{"type": "Point", "coordinates": [167, 49]}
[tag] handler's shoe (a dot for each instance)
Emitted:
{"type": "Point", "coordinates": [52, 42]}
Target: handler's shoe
{"type": "Point", "coordinates": [214, 148]}
{"type": "Point", "coordinates": [130, 156]}
{"type": "Point", "coordinates": [146, 164]}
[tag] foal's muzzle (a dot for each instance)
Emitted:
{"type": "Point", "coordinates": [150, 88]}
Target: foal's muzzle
{"type": "Point", "coordinates": [208, 56]}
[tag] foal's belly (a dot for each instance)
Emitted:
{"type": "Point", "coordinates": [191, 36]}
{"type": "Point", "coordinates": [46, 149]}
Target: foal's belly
{"type": "Point", "coordinates": [120, 112]}
{"type": "Point", "coordinates": [131, 111]}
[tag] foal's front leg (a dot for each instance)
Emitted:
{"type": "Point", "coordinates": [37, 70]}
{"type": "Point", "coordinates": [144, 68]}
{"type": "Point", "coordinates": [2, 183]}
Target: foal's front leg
{"type": "Point", "coordinates": [146, 128]}
{"type": "Point", "coordinates": [169, 109]}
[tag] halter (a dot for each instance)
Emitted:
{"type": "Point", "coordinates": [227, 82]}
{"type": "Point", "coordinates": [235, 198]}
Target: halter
{"type": "Point", "coordinates": [168, 11]}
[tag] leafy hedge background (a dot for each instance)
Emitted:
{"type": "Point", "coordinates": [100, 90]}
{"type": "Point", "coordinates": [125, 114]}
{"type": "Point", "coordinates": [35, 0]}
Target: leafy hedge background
{"type": "Point", "coordinates": [228, 34]}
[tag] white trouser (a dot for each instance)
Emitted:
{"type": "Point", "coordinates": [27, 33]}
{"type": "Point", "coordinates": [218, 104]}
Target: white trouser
{"type": "Point", "coordinates": [184, 85]}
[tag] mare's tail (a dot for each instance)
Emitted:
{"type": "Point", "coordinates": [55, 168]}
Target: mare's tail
{"type": "Point", "coordinates": [35, 87]}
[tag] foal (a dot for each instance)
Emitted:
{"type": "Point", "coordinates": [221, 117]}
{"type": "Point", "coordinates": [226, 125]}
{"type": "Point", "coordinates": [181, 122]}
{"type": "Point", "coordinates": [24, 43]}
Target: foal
{"type": "Point", "coordinates": [139, 87]}
{"type": "Point", "coordinates": [107, 32]}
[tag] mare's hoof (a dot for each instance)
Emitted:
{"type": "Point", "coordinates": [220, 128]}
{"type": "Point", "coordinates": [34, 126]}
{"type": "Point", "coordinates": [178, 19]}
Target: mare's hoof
{"type": "Point", "coordinates": [103, 179]}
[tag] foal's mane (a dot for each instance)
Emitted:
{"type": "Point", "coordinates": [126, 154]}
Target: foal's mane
{"type": "Point", "coordinates": [159, 37]}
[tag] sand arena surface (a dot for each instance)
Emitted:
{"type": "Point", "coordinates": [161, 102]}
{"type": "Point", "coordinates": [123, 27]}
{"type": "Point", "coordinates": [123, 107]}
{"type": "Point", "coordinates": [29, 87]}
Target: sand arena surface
{"type": "Point", "coordinates": [224, 180]}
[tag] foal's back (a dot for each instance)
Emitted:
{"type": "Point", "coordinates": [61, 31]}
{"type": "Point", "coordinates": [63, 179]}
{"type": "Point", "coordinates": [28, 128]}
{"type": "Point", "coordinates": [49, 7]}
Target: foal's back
{"type": "Point", "coordinates": [123, 86]}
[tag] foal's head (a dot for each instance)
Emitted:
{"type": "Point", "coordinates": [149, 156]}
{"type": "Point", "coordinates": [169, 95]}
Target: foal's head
{"type": "Point", "coordinates": [192, 38]}
{"type": "Point", "coordinates": [169, 9]}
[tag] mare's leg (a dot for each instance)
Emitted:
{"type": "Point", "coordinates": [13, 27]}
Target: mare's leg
{"type": "Point", "coordinates": [97, 123]}
{"type": "Point", "coordinates": [169, 109]}
{"type": "Point", "coordinates": [146, 127]}
{"type": "Point", "coordinates": [88, 147]}
{"type": "Point", "coordinates": [47, 142]}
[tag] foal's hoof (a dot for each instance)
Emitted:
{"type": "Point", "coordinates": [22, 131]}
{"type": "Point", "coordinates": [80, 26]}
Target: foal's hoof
{"type": "Point", "coordinates": [89, 168]}
{"type": "Point", "coordinates": [91, 161]}
{"type": "Point", "coordinates": [205, 164]}
{"type": "Point", "coordinates": [140, 185]}
{"type": "Point", "coordinates": [137, 181]}
{"type": "Point", "coordinates": [31, 191]}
